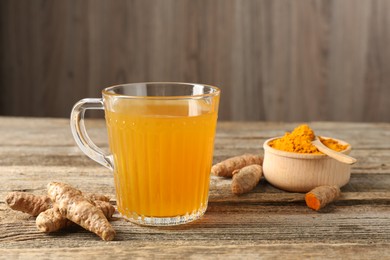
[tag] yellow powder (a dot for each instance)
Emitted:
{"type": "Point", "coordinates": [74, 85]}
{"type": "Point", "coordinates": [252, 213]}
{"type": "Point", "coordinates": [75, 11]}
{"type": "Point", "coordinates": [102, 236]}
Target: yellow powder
{"type": "Point", "coordinates": [299, 141]}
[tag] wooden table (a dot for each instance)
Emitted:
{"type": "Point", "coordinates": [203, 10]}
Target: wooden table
{"type": "Point", "coordinates": [265, 223]}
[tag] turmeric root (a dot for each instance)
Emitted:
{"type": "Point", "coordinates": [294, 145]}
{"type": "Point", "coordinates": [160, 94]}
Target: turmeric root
{"type": "Point", "coordinates": [321, 196]}
{"type": "Point", "coordinates": [226, 168]}
{"type": "Point", "coordinates": [80, 210]}
{"type": "Point", "coordinates": [106, 207]}
{"type": "Point", "coordinates": [28, 203]}
{"type": "Point", "coordinates": [49, 217]}
{"type": "Point", "coordinates": [35, 204]}
{"type": "Point", "coordinates": [246, 179]}
{"type": "Point", "coordinates": [52, 220]}
{"type": "Point", "coordinates": [97, 197]}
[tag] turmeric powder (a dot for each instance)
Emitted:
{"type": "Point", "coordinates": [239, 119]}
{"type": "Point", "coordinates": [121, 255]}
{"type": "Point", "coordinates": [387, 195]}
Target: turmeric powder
{"type": "Point", "coordinates": [321, 196]}
{"type": "Point", "coordinates": [299, 141]}
{"type": "Point", "coordinates": [226, 167]}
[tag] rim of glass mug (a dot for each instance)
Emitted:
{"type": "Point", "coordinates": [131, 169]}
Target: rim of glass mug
{"type": "Point", "coordinates": [212, 91]}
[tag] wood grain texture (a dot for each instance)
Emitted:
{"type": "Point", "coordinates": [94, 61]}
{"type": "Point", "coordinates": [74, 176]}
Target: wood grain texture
{"type": "Point", "coordinates": [274, 60]}
{"type": "Point", "coordinates": [195, 250]}
{"type": "Point", "coordinates": [266, 223]}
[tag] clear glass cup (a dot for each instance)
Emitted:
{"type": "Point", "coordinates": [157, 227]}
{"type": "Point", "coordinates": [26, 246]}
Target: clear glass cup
{"type": "Point", "coordinates": [161, 138]}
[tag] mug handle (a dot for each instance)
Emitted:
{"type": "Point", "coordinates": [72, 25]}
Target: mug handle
{"type": "Point", "coordinates": [80, 133]}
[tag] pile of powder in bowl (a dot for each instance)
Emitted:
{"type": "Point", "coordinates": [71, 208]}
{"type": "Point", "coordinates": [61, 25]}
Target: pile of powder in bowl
{"type": "Point", "coordinates": [299, 141]}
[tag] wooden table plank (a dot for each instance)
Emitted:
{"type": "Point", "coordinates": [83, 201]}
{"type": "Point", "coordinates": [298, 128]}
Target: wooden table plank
{"type": "Point", "coordinates": [197, 250]}
{"type": "Point", "coordinates": [266, 222]}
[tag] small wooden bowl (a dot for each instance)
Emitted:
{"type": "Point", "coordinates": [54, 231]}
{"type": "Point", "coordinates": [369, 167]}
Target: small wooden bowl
{"type": "Point", "coordinates": [299, 172]}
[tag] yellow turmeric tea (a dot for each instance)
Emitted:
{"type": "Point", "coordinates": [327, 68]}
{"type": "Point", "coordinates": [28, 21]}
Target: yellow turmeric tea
{"type": "Point", "coordinates": [162, 157]}
{"type": "Point", "coordinates": [299, 141]}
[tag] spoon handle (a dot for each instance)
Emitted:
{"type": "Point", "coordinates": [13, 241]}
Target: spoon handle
{"type": "Point", "coordinates": [332, 153]}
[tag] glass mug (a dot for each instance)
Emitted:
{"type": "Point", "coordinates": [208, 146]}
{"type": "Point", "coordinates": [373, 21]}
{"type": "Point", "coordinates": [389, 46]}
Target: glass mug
{"type": "Point", "coordinates": [161, 136]}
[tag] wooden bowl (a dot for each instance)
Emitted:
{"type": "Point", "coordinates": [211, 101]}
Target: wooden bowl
{"type": "Point", "coordinates": [299, 172]}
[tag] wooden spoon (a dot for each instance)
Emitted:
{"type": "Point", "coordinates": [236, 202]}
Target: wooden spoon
{"type": "Point", "coordinates": [332, 153]}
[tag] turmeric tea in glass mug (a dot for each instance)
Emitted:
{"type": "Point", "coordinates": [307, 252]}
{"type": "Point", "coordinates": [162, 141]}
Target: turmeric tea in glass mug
{"type": "Point", "coordinates": [161, 138]}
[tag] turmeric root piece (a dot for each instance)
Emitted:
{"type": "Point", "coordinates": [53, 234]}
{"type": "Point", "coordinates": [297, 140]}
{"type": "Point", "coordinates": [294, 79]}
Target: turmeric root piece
{"type": "Point", "coordinates": [226, 168]}
{"type": "Point", "coordinates": [321, 196]}
{"type": "Point", "coordinates": [28, 203]}
{"type": "Point", "coordinates": [35, 204]}
{"type": "Point", "coordinates": [80, 210]}
{"type": "Point", "coordinates": [97, 197]}
{"type": "Point", "coordinates": [106, 207]}
{"type": "Point", "coordinates": [246, 179]}
{"type": "Point", "coordinates": [52, 220]}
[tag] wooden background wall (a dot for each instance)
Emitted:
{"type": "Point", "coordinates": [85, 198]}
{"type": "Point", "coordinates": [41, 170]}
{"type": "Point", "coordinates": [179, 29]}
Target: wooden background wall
{"type": "Point", "coordinates": [273, 59]}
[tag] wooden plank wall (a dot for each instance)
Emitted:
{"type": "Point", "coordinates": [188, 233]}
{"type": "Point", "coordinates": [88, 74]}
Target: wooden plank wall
{"type": "Point", "coordinates": [274, 60]}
